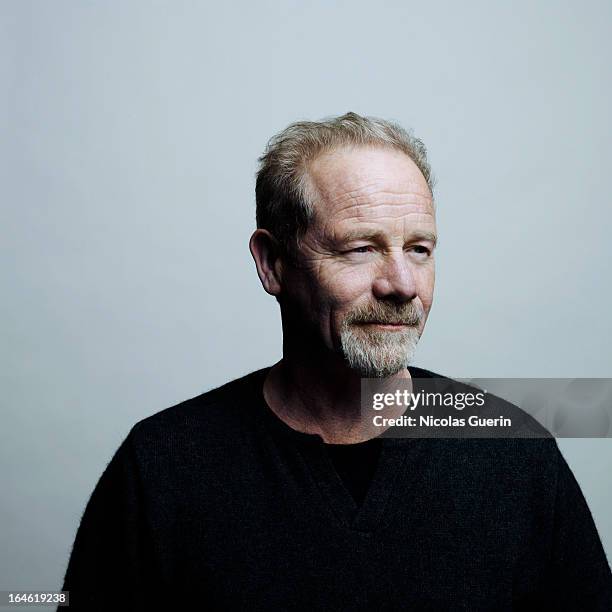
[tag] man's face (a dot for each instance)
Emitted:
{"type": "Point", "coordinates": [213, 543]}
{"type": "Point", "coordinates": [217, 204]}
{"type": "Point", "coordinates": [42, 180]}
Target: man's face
{"type": "Point", "coordinates": [365, 272]}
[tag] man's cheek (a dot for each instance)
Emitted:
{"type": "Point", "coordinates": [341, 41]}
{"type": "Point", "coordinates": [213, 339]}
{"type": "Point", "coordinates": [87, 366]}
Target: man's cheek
{"type": "Point", "coordinates": [349, 288]}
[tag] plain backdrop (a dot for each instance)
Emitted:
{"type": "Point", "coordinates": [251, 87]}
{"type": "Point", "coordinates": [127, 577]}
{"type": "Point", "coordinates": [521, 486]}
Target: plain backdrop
{"type": "Point", "coordinates": [129, 139]}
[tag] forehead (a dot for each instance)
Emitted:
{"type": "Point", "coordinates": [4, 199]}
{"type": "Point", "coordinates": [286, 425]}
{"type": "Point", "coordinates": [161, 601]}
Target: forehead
{"type": "Point", "coordinates": [368, 184]}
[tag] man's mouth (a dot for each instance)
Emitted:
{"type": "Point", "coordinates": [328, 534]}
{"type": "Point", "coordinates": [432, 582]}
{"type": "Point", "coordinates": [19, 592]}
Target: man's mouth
{"type": "Point", "coordinates": [392, 324]}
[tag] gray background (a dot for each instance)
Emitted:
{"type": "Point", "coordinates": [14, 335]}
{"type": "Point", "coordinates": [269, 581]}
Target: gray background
{"type": "Point", "coordinates": [129, 138]}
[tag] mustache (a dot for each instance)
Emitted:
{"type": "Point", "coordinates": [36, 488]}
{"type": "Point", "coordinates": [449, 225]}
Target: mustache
{"type": "Point", "coordinates": [386, 313]}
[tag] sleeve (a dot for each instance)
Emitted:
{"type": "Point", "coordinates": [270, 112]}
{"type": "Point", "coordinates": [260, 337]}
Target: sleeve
{"type": "Point", "coordinates": [579, 576]}
{"type": "Point", "coordinates": [110, 566]}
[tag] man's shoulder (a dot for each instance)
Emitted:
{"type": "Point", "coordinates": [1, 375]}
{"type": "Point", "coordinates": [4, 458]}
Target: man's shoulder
{"type": "Point", "coordinates": [217, 412]}
{"type": "Point", "coordinates": [524, 424]}
{"type": "Point", "coordinates": [526, 447]}
{"type": "Point", "coordinates": [416, 372]}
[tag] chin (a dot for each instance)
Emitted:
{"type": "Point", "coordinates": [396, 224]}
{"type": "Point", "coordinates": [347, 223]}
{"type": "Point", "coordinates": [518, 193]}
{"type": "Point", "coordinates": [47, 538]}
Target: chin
{"type": "Point", "coordinates": [378, 360]}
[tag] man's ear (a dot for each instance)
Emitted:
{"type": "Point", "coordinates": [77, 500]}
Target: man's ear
{"type": "Point", "coordinates": [266, 252]}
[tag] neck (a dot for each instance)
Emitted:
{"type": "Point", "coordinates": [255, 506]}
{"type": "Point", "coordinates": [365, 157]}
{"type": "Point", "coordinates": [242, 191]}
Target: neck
{"type": "Point", "coordinates": [319, 396]}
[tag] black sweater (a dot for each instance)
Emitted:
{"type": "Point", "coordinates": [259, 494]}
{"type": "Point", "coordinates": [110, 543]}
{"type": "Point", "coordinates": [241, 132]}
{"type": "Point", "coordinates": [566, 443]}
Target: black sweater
{"type": "Point", "coordinates": [216, 504]}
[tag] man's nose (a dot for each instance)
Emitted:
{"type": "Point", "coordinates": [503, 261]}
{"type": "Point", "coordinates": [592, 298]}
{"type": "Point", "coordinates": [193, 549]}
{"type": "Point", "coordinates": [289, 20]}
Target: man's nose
{"type": "Point", "coordinates": [395, 279]}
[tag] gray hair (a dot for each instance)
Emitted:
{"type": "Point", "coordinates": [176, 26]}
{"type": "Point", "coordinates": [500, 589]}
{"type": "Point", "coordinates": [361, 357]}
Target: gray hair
{"type": "Point", "coordinates": [284, 203]}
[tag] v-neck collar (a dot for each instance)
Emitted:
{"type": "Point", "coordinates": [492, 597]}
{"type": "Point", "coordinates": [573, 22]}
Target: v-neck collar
{"type": "Point", "coordinates": [371, 514]}
{"type": "Point", "coordinates": [392, 477]}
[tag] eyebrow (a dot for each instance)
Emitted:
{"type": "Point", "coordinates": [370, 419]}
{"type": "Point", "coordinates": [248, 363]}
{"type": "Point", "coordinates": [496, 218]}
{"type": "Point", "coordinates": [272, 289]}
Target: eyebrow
{"type": "Point", "coordinates": [380, 237]}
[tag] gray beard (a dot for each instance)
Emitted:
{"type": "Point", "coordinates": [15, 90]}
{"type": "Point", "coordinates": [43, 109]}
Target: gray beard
{"type": "Point", "coordinates": [378, 354]}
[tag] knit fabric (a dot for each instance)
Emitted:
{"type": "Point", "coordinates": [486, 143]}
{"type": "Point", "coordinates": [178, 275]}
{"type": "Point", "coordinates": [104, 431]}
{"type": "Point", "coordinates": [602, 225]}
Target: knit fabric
{"type": "Point", "coordinates": [216, 504]}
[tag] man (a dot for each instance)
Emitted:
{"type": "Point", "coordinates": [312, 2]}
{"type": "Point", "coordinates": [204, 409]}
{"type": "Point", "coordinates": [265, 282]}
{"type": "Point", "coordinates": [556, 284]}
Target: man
{"type": "Point", "coordinates": [266, 494]}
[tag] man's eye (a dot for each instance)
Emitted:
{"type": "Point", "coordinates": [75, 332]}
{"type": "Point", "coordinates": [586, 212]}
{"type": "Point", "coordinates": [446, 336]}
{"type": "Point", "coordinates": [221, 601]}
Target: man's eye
{"type": "Point", "coordinates": [420, 249]}
{"type": "Point", "coordinates": [362, 249]}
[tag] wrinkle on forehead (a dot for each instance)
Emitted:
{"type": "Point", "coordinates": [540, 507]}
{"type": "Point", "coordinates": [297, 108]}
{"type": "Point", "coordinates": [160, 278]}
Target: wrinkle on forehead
{"type": "Point", "coordinates": [384, 203]}
{"type": "Point", "coordinates": [392, 209]}
{"type": "Point", "coordinates": [365, 188]}
{"type": "Point", "coordinates": [402, 224]}
{"type": "Point", "coordinates": [367, 182]}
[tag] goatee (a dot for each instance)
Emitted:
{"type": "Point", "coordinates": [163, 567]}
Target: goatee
{"type": "Point", "coordinates": [375, 352]}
